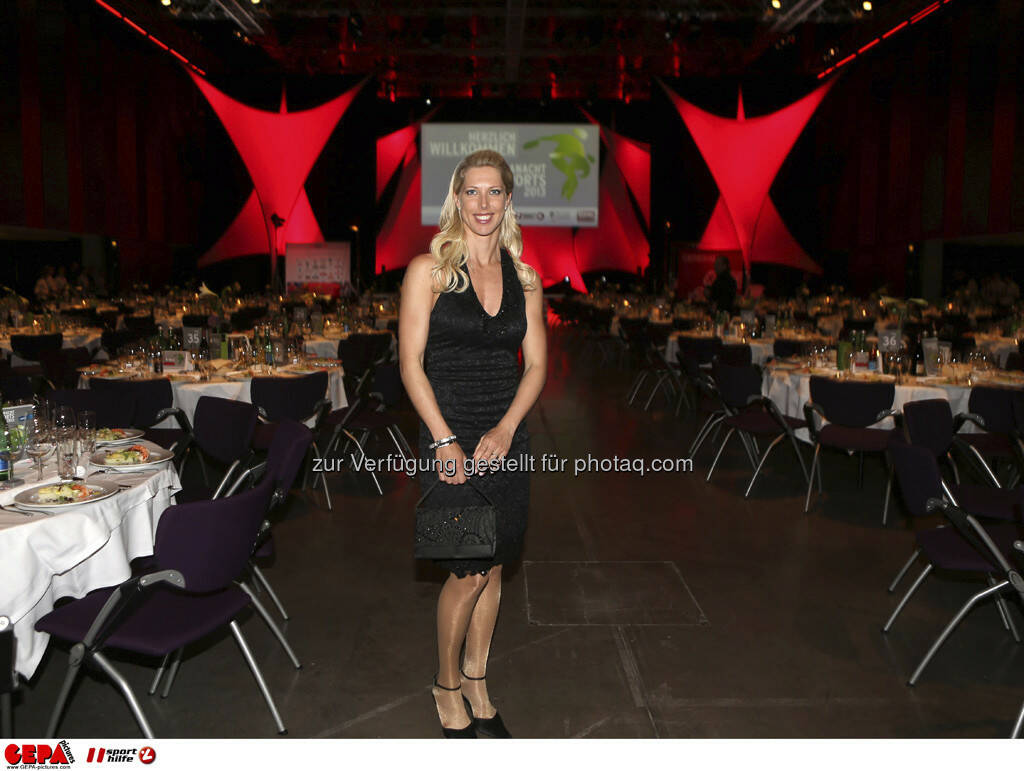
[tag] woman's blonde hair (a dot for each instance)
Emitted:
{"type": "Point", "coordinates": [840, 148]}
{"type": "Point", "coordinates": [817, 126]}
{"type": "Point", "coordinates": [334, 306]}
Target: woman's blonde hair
{"type": "Point", "coordinates": [449, 247]}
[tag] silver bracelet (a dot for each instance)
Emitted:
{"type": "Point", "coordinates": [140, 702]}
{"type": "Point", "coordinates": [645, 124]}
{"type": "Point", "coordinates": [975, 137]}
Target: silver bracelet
{"type": "Point", "coordinates": [444, 442]}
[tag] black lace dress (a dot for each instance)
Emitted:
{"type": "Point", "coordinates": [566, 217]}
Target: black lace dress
{"type": "Point", "coordinates": [472, 363]}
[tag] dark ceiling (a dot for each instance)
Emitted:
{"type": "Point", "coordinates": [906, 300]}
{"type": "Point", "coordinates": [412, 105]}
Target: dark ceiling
{"type": "Point", "coordinates": [527, 49]}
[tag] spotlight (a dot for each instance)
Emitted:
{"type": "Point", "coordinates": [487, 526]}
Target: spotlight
{"type": "Point", "coordinates": [427, 100]}
{"type": "Point", "coordinates": [776, 4]}
{"type": "Point", "coordinates": [255, 2]}
{"type": "Point", "coordinates": [165, 3]}
{"type": "Point", "coordinates": [866, 5]}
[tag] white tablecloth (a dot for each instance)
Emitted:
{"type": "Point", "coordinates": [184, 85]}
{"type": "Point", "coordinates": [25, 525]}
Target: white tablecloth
{"type": "Point", "coordinates": [760, 350]}
{"type": "Point", "coordinates": [86, 338]}
{"type": "Point", "coordinates": [790, 391]}
{"type": "Point", "coordinates": [998, 347]}
{"type": "Point", "coordinates": [71, 553]}
{"type": "Point", "coordinates": [186, 395]}
{"type": "Point", "coordinates": [326, 346]}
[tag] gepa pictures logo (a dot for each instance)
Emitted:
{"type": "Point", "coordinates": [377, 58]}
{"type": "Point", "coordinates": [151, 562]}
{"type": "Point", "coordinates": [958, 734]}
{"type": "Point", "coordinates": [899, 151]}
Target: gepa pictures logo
{"type": "Point", "coordinates": [18, 755]}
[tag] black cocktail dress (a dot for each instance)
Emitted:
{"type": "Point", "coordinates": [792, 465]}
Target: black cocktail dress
{"type": "Point", "coordinates": [472, 363]}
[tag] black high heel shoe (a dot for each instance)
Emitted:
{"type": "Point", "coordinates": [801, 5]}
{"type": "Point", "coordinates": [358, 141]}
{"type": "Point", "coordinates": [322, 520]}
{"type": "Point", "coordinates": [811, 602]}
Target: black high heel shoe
{"type": "Point", "coordinates": [486, 727]}
{"type": "Point", "coordinates": [469, 732]}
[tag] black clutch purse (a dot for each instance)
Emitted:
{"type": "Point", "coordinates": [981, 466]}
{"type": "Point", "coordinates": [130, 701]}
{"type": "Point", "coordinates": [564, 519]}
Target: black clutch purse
{"type": "Point", "coordinates": [464, 532]}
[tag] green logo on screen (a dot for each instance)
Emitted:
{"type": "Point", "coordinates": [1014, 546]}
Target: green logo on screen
{"type": "Point", "coordinates": [569, 157]}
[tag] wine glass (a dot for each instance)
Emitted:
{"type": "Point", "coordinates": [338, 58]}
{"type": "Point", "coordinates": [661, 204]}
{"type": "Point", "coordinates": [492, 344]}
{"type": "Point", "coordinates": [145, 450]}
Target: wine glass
{"type": "Point", "coordinates": [39, 443]}
{"type": "Point", "coordinates": [86, 438]}
{"type": "Point", "coordinates": [64, 418]}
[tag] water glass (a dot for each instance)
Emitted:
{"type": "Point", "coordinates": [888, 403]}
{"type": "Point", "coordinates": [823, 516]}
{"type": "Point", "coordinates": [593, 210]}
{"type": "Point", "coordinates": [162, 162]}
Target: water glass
{"type": "Point", "coordinates": [39, 443]}
{"type": "Point", "coordinates": [67, 445]}
{"type": "Point", "coordinates": [86, 438]}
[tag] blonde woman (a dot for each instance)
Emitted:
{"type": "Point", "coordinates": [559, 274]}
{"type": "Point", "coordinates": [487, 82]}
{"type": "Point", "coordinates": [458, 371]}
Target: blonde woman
{"type": "Point", "coordinates": [468, 308]}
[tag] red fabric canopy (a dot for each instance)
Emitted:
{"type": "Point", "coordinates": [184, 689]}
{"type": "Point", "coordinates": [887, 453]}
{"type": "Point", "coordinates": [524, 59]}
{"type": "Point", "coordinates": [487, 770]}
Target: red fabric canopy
{"type": "Point", "coordinates": [278, 149]}
{"type": "Point", "coordinates": [744, 155]}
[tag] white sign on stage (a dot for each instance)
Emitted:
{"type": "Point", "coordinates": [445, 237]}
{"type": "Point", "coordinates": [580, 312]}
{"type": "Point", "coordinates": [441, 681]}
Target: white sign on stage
{"type": "Point", "coordinates": [323, 263]}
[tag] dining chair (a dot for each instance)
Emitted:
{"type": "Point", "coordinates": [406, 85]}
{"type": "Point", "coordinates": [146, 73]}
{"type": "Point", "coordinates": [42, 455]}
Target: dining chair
{"type": "Point", "coordinates": [154, 403]}
{"type": "Point", "coordinates": [287, 451]}
{"type": "Point", "coordinates": [851, 409]}
{"type": "Point", "coordinates": [995, 411]}
{"type": "Point", "coordinates": [8, 677]}
{"type": "Point", "coordinates": [360, 351]}
{"type": "Point", "coordinates": [291, 398]}
{"type": "Point", "coordinates": [142, 327]}
{"type": "Point", "coordinates": [60, 366]}
{"type": "Point", "coordinates": [244, 318]}
{"type": "Point", "coordinates": [785, 348]}
{"type": "Point", "coordinates": [30, 348]}
{"type": "Point", "coordinates": [222, 431]}
{"type": "Point", "coordinates": [375, 413]}
{"type": "Point", "coordinates": [736, 355]}
{"type": "Point", "coordinates": [15, 387]}
{"type": "Point", "coordinates": [1018, 726]}
{"type": "Point", "coordinates": [944, 548]}
{"type": "Point", "coordinates": [200, 549]}
{"type": "Point", "coordinates": [751, 414]}
{"type": "Point", "coordinates": [112, 410]}
{"type": "Point", "coordinates": [930, 423]}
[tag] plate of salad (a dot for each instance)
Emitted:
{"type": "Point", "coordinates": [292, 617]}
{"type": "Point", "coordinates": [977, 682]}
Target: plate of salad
{"type": "Point", "coordinates": [109, 436]}
{"type": "Point", "coordinates": [61, 494]}
{"type": "Point", "coordinates": [134, 456]}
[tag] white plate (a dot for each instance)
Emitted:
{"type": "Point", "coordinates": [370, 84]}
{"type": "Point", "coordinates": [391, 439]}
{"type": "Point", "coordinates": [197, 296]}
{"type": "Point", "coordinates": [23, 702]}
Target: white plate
{"type": "Point", "coordinates": [157, 455]}
{"type": "Point", "coordinates": [28, 499]}
{"type": "Point", "coordinates": [130, 435]}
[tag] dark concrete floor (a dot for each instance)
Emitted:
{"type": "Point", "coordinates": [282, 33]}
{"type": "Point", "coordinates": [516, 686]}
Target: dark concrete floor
{"type": "Point", "coordinates": [654, 606]}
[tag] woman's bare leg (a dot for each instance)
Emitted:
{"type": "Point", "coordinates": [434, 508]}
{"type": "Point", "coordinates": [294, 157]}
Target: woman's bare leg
{"type": "Point", "coordinates": [454, 608]}
{"type": "Point", "coordinates": [478, 645]}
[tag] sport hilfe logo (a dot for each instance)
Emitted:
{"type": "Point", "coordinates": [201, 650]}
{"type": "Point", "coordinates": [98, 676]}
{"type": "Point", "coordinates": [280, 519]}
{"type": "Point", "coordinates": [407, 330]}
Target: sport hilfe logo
{"type": "Point", "coordinates": [144, 755]}
{"type": "Point", "coordinates": [38, 755]}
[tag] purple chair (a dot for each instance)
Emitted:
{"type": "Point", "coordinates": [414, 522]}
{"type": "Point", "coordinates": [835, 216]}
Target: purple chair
{"type": "Point", "coordinates": [201, 548]}
{"type": "Point", "coordinates": [996, 411]}
{"type": "Point", "coordinates": [751, 414]}
{"type": "Point", "coordinates": [60, 366]}
{"type": "Point", "coordinates": [945, 548]}
{"type": "Point", "coordinates": [287, 452]}
{"type": "Point", "coordinates": [222, 432]}
{"type": "Point", "coordinates": [930, 423]}
{"type": "Point", "coordinates": [31, 348]}
{"type": "Point", "coordinates": [850, 408]}
{"type": "Point", "coordinates": [291, 398]}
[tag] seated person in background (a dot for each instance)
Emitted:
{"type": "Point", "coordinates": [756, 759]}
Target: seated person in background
{"type": "Point", "coordinates": [44, 286]}
{"type": "Point", "coordinates": [722, 293]}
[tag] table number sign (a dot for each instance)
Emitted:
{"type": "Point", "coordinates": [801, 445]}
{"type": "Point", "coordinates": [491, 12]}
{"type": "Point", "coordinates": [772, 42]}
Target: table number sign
{"type": "Point", "coordinates": [889, 340]}
{"type": "Point", "coordinates": [190, 337]}
{"type": "Point", "coordinates": [769, 325]}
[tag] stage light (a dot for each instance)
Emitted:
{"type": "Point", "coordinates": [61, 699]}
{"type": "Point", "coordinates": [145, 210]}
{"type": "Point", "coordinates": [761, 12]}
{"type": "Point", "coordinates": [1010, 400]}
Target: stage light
{"type": "Point", "coordinates": [866, 5]}
{"type": "Point", "coordinates": [165, 3]}
{"type": "Point", "coordinates": [427, 100]}
{"type": "Point", "coordinates": [255, 2]}
{"type": "Point", "coordinates": [776, 4]}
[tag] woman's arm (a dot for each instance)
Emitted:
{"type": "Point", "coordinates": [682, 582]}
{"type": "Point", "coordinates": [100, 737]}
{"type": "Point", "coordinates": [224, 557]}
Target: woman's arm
{"type": "Point", "coordinates": [413, 328]}
{"type": "Point", "coordinates": [496, 442]}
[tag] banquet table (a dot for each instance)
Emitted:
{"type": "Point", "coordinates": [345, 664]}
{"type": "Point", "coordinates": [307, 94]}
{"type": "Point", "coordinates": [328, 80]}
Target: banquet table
{"type": "Point", "coordinates": [326, 346]}
{"type": "Point", "coordinates": [760, 349]}
{"type": "Point", "coordinates": [73, 551]}
{"type": "Point", "coordinates": [187, 388]}
{"type": "Point", "coordinates": [89, 337]}
{"type": "Point", "coordinates": [999, 348]}
{"type": "Point", "coordinates": [789, 388]}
